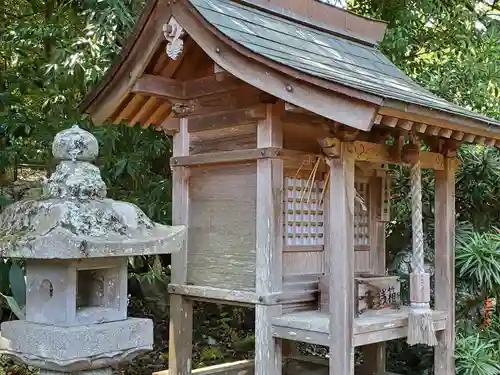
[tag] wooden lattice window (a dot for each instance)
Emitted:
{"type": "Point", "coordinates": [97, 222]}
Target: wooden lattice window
{"type": "Point", "coordinates": [361, 220]}
{"type": "Point", "coordinates": [304, 213]}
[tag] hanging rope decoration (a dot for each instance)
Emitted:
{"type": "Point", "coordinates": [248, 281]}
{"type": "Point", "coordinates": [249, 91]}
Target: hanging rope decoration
{"type": "Point", "coordinates": [420, 321]}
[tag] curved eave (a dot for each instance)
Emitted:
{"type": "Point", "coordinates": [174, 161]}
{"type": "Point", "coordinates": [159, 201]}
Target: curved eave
{"type": "Point", "coordinates": [99, 90]}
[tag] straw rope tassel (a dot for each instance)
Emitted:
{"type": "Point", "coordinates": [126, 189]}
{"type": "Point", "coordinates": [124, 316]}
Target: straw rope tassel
{"type": "Point", "coordinates": [420, 322]}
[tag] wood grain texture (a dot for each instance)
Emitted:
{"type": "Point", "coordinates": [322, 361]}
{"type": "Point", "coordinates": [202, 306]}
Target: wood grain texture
{"type": "Point", "coordinates": [362, 261]}
{"type": "Point", "coordinates": [379, 153]}
{"type": "Point", "coordinates": [226, 119]}
{"type": "Point", "coordinates": [302, 262]}
{"type": "Point", "coordinates": [445, 265]}
{"type": "Point", "coordinates": [181, 309]}
{"type": "Point", "coordinates": [339, 243]}
{"type": "Point", "coordinates": [269, 242]}
{"type": "Point", "coordinates": [181, 336]}
{"type": "Point", "coordinates": [214, 294]}
{"type": "Point", "coordinates": [376, 327]}
{"type": "Point", "coordinates": [229, 139]}
{"type": "Point", "coordinates": [180, 201]}
{"type": "Point", "coordinates": [222, 226]}
{"type": "Point", "coordinates": [374, 359]}
{"type": "Point", "coordinates": [374, 355]}
{"type": "Point", "coordinates": [244, 367]}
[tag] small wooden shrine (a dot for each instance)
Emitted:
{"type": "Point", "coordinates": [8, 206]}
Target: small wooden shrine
{"type": "Point", "coordinates": [285, 116]}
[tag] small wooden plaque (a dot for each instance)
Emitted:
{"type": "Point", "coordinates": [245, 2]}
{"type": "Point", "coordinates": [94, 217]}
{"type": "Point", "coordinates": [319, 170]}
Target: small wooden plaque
{"type": "Point", "coordinates": [373, 292]}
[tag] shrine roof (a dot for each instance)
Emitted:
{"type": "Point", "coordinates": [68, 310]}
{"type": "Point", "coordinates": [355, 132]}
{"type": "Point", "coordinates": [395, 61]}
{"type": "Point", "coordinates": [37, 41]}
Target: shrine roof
{"type": "Point", "coordinates": [334, 55]}
{"type": "Point", "coordinates": [322, 59]}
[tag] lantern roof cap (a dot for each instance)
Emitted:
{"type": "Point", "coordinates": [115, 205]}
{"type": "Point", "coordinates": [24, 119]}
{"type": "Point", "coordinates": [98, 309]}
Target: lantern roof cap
{"type": "Point", "coordinates": [74, 219]}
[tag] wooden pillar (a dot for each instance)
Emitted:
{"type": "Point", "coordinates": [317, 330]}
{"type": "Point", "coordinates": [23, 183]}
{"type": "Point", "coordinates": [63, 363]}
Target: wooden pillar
{"type": "Point", "coordinates": [268, 356]}
{"type": "Point", "coordinates": [445, 265]}
{"type": "Point", "coordinates": [339, 244]}
{"type": "Point", "coordinates": [181, 309]}
{"type": "Point", "coordinates": [374, 355]}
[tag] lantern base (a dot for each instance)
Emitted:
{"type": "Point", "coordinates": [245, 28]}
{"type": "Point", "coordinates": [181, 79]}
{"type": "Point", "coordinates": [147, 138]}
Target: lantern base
{"type": "Point", "coordinates": [100, 371]}
{"type": "Point", "coordinates": [73, 349]}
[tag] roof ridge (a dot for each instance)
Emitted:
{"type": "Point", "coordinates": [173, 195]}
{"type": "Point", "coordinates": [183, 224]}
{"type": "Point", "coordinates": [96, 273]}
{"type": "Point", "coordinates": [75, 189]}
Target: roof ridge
{"type": "Point", "coordinates": [319, 25]}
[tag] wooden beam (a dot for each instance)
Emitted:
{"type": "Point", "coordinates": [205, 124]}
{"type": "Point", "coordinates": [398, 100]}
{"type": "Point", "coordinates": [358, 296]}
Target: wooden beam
{"type": "Point", "coordinates": [490, 142]}
{"type": "Point", "coordinates": [290, 296]}
{"type": "Point", "coordinates": [469, 138]}
{"type": "Point", "coordinates": [420, 128]}
{"type": "Point", "coordinates": [144, 111]}
{"type": "Point", "coordinates": [405, 124]}
{"type": "Point", "coordinates": [244, 367]}
{"type": "Point", "coordinates": [214, 294]}
{"type": "Point", "coordinates": [219, 120]}
{"type": "Point", "coordinates": [135, 103]}
{"type": "Point", "coordinates": [172, 89]}
{"type": "Point", "coordinates": [378, 119]}
{"type": "Point", "coordinates": [374, 355]}
{"type": "Point", "coordinates": [239, 156]}
{"type": "Point", "coordinates": [269, 242]}
{"type": "Point", "coordinates": [158, 115]}
{"type": "Point", "coordinates": [444, 361]}
{"type": "Point", "coordinates": [439, 119]}
{"type": "Point", "coordinates": [181, 308]}
{"type": "Point", "coordinates": [433, 130]}
{"type": "Point", "coordinates": [389, 121]}
{"type": "Point", "coordinates": [457, 135]}
{"type": "Point", "coordinates": [445, 133]}
{"type": "Point", "coordinates": [227, 119]}
{"type": "Point", "coordinates": [379, 153]}
{"type": "Point", "coordinates": [160, 87]}
{"type": "Point", "coordinates": [339, 246]}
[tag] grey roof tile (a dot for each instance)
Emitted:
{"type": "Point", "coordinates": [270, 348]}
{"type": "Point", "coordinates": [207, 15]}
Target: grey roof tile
{"type": "Point", "coordinates": [321, 54]}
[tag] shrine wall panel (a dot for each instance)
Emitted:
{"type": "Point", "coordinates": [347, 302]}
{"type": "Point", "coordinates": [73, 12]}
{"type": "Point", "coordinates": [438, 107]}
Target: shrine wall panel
{"type": "Point", "coordinates": [241, 137]}
{"type": "Point", "coordinates": [221, 243]}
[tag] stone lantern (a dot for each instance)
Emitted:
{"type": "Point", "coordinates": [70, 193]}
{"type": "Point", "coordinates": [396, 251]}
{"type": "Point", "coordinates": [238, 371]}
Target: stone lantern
{"type": "Point", "coordinates": [76, 244]}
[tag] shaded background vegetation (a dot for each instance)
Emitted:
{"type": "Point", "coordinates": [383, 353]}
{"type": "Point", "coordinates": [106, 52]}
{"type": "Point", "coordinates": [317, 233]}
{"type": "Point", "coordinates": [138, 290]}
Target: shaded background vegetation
{"type": "Point", "coordinates": [52, 51]}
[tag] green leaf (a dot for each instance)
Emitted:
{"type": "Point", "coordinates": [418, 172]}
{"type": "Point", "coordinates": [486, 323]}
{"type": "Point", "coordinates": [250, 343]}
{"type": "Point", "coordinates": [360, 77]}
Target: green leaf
{"type": "Point", "coordinates": [17, 284]}
{"type": "Point", "coordinates": [14, 306]}
{"type": "Point", "coordinates": [4, 277]}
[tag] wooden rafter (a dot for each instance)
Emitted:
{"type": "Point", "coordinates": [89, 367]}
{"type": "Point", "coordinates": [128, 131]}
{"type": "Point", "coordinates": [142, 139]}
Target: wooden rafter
{"type": "Point", "coordinates": [176, 90]}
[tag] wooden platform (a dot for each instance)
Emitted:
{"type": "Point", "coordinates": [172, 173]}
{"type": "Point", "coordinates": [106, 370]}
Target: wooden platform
{"type": "Point", "coordinates": [371, 327]}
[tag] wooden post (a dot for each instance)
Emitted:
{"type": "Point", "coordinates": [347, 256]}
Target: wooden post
{"type": "Point", "coordinates": [339, 245]}
{"type": "Point", "coordinates": [181, 309]}
{"type": "Point", "coordinates": [445, 265]}
{"type": "Point", "coordinates": [268, 353]}
{"type": "Point", "coordinates": [374, 355]}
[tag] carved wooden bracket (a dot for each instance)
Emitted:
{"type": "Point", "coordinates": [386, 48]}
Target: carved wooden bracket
{"type": "Point", "coordinates": [174, 33]}
{"type": "Point", "coordinates": [184, 109]}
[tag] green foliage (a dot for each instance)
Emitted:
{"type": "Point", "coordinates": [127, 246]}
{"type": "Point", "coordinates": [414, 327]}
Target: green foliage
{"type": "Point", "coordinates": [477, 351]}
{"type": "Point", "coordinates": [12, 289]}
{"type": "Point", "coordinates": [478, 263]}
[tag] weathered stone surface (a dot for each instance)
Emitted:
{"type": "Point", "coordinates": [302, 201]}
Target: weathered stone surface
{"type": "Point", "coordinates": [76, 292]}
{"type": "Point", "coordinates": [75, 144]}
{"type": "Point", "coordinates": [100, 371]}
{"type": "Point", "coordinates": [76, 220]}
{"type": "Point", "coordinates": [76, 348]}
{"type": "Point", "coordinates": [76, 180]}
{"type": "Point", "coordinates": [71, 229]}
